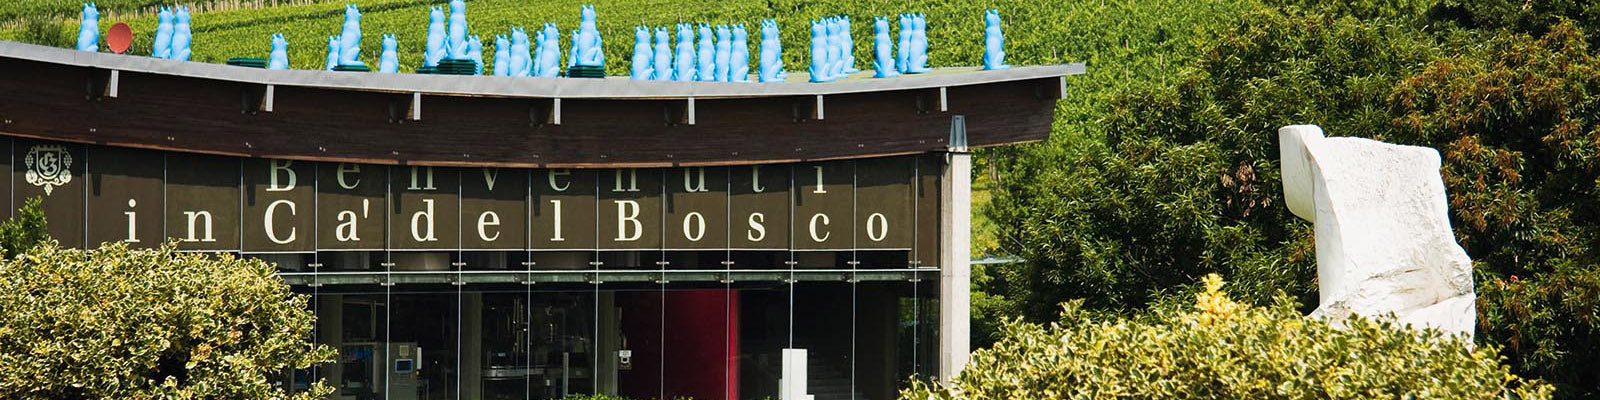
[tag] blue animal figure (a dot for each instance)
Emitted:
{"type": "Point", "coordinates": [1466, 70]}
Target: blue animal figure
{"type": "Point", "coordinates": [661, 65]}
{"type": "Point", "coordinates": [536, 64]}
{"type": "Point", "coordinates": [994, 41]}
{"type": "Point", "coordinates": [706, 55]}
{"type": "Point", "coordinates": [502, 56]}
{"type": "Point", "coordinates": [684, 56]}
{"type": "Point", "coordinates": [739, 55]}
{"type": "Point", "coordinates": [279, 57]}
{"type": "Point", "coordinates": [572, 59]}
{"type": "Point", "coordinates": [849, 46]}
{"type": "Point", "coordinates": [882, 49]}
{"type": "Point", "coordinates": [587, 41]}
{"type": "Point", "coordinates": [819, 52]}
{"type": "Point", "coordinates": [458, 29]}
{"type": "Point", "coordinates": [333, 52]}
{"type": "Point", "coordinates": [389, 59]}
{"type": "Point", "coordinates": [642, 55]}
{"type": "Point", "coordinates": [836, 44]}
{"type": "Point", "coordinates": [89, 28]}
{"type": "Point", "coordinates": [521, 64]}
{"type": "Point", "coordinates": [475, 53]}
{"type": "Point", "coordinates": [438, 46]}
{"type": "Point", "coordinates": [724, 51]}
{"type": "Point", "coordinates": [181, 35]}
{"type": "Point", "coordinates": [350, 38]}
{"type": "Point", "coordinates": [919, 45]}
{"type": "Point", "coordinates": [902, 57]}
{"type": "Point", "coordinates": [771, 63]}
{"type": "Point", "coordinates": [163, 45]}
{"type": "Point", "coordinates": [550, 61]}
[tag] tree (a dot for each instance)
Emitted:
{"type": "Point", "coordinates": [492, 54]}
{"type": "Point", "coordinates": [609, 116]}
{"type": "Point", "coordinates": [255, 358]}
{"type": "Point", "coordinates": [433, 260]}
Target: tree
{"type": "Point", "coordinates": [141, 324]}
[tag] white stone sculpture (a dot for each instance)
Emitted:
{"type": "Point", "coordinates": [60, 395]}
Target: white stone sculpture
{"type": "Point", "coordinates": [1382, 226]}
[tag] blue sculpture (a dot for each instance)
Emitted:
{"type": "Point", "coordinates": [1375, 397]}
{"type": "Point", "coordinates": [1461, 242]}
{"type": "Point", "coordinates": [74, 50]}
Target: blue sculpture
{"type": "Point", "coordinates": [475, 53]}
{"type": "Point", "coordinates": [389, 60]}
{"type": "Point", "coordinates": [819, 52]}
{"type": "Point", "coordinates": [458, 30]}
{"type": "Point", "coordinates": [684, 57]}
{"type": "Point", "coordinates": [572, 59]}
{"type": "Point", "coordinates": [550, 60]}
{"type": "Point", "coordinates": [994, 53]}
{"type": "Point", "coordinates": [587, 40]}
{"type": "Point", "coordinates": [849, 46]}
{"type": "Point", "coordinates": [642, 55]}
{"type": "Point", "coordinates": [902, 57]}
{"type": "Point", "coordinates": [350, 38]}
{"type": "Point", "coordinates": [333, 52]}
{"type": "Point", "coordinates": [279, 57]}
{"type": "Point", "coordinates": [541, 39]}
{"type": "Point", "coordinates": [836, 39]}
{"type": "Point", "coordinates": [919, 45]}
{"type": "Point", "coordinates": [436, 48]}
{"type": "Point", "coordinates": [739, 56]}
{"type": "Point", "coordinates": [502, 56]}
{"type": "Point", "coordinates": [883, 60]}
{"type": "Point", "coordinates": [661, 65]}
{"type": "Point", "coordinates": [724, 51]}
{"type": "Point", "coordinates": [181, 36]}
{"type": "Point", "coordinates": [771, 63]}
{"type": "Point", "coordinates": [163, 45]}
{"type": "Point", "coordinates": [521, 65]}
{"type": "Point", "coordinates": [706, 56]}
{"type": "Point", "coordinates": [89, 28]}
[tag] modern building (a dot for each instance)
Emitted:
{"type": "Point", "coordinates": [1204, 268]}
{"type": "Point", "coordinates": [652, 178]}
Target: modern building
{"type": "Point", "coordinates": [534, 238]}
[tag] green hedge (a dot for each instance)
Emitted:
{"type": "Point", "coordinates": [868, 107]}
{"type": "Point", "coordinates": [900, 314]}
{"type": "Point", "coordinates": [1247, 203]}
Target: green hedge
{"type": "Point", "coordinates": [116, 323]}
{"type": "Point", "coordinates": [1220, 349]}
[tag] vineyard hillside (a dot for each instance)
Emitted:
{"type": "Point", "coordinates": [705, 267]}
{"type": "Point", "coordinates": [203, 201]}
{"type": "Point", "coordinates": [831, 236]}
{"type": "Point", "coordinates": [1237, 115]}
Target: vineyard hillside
{"type": "Point", "coordinates": [1038, 31]}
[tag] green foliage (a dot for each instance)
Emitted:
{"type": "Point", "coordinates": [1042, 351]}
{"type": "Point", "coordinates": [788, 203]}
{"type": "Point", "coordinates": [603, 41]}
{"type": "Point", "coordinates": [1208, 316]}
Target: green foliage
{"type": "Point", "coordinates": [1185, 180]}
{"type": "Point", "coordinates": [1219, 349]}
{"type": "Point", "coordinates": [141, 324]}
{"type": "Point", "coordinates": [24, 231]}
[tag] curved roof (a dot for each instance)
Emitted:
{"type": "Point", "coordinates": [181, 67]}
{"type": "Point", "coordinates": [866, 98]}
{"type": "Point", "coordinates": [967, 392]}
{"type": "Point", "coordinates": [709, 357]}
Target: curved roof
{"type": "Point", "coordinates": [483, 120]}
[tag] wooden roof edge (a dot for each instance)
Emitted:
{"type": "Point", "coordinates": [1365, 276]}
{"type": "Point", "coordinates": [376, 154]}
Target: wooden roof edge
{"type": "Point", "coordinates": [529, 87]}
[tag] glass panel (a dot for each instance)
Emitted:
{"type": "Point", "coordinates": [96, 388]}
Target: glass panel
{"type": "Point", "coordinates": [701, 342]}
{"type": "Point", "coordinates": [501, 344]}
{"type": "Point", "coordinates": [636, 342]}
{"type": "Point", "coordinates": [763, 332]}
{"type": "Point", "coordinates": [561, 343]}
{"type": "Point", "coordinates": [354, 261]}
{"type": "Point", "coordinates": [424, 346]}
{"type": "Point", "coordinates": [823, 326]}
{"type": "Point", "coordinates": [878, 335]}
{"type": "Point", "coordinates": [354, 324]}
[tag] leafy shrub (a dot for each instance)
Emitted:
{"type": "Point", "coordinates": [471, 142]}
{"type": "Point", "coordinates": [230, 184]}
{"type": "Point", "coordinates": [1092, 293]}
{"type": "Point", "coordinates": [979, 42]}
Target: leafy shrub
{"type": "Point", "coordinates": [1220, 349]}
{"type": "Point", "coordinates": [24, 231]}
{"type": "Point", "coordinates": [141, 324]}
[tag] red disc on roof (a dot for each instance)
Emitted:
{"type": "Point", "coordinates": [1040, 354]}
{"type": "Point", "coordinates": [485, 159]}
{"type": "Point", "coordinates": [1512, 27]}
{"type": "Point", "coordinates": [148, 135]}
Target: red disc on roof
{"type": "Point", "coordinates": [119, 38]}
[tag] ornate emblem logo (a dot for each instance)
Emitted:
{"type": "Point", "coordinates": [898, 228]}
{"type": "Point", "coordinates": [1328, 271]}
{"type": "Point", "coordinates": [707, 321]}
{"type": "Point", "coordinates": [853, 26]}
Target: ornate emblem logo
{"type": "Point", "coordinates": [48, 166]}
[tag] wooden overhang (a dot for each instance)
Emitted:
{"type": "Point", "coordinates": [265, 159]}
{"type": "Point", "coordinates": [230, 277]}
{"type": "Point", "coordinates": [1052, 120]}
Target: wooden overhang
{"type": "Point", "coordinates": [135, 101]}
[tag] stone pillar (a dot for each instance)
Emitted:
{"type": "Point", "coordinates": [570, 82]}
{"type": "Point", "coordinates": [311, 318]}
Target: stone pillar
{"type": "Point", "coordinates": [955, 264]}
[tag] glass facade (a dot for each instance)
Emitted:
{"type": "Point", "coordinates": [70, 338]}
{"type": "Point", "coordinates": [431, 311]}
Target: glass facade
{"type": "Point", "coordinates": [866, 331]}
